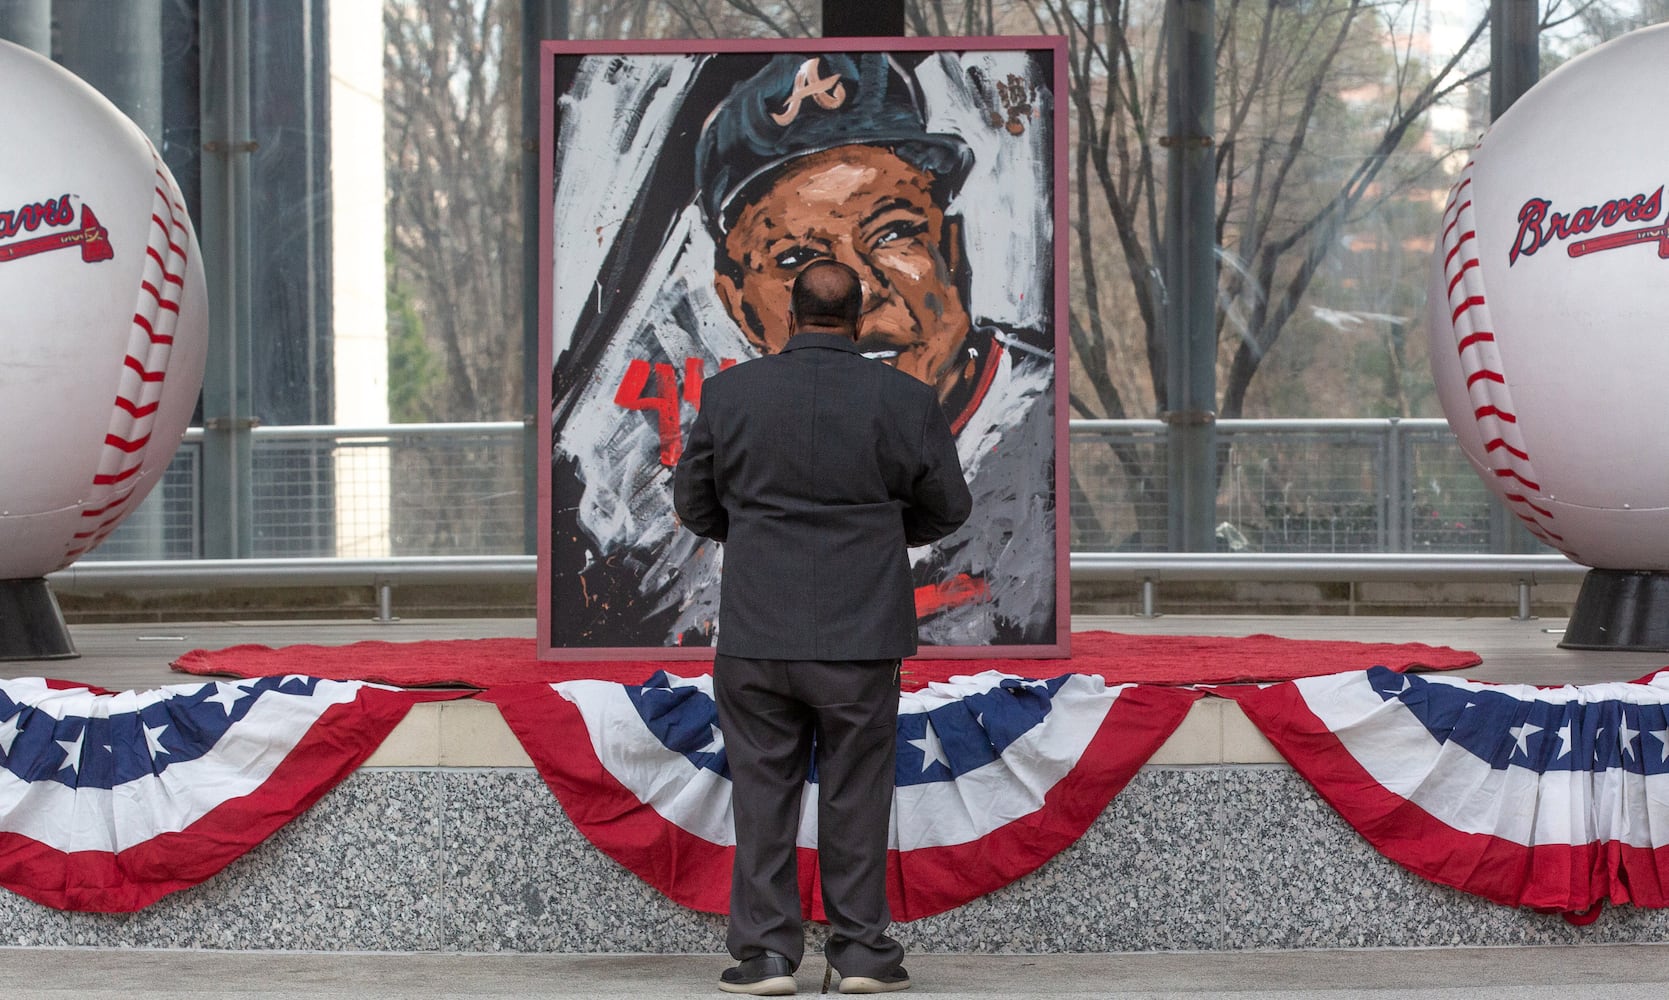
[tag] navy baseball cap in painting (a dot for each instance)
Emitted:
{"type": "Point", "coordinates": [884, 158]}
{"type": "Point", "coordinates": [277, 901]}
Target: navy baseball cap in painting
{"type": "Point", "coordinates": [798, 105]}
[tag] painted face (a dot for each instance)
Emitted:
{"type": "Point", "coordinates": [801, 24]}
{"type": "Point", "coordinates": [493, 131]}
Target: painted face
{"type": "Point", "coordinates": [866, 208]}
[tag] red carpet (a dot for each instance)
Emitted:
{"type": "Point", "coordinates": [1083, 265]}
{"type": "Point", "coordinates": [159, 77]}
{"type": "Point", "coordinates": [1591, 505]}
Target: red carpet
{"type": "Point", "coordinates": [1116, 657]}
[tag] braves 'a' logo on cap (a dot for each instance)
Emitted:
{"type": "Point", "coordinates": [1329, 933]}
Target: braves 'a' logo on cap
{"type": "Point", "coordinates": [92, 238]}
{"type": "Point", "coordinates": [827, 91]}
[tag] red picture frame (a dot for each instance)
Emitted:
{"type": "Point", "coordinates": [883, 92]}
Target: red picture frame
{"type": "Point", "coordinates": [647, 148]}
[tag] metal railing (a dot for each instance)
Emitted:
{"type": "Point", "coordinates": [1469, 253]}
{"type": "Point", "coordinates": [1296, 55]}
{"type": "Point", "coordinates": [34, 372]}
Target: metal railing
{"type": "Point", "coordinates": [1288, 486]}
{"type": "Point", "coordinates": [1523, 572]}
{"type": "Point", "coordinates": [1309, 500]}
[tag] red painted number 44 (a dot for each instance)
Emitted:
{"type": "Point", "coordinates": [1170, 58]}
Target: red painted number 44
{"type": "Point", "coordinates": [656, 388]}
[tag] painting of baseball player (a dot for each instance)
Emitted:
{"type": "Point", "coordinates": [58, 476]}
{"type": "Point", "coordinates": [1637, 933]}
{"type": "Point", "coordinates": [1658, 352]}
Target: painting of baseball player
{"type": "Point", "coordinates": [918, 171]}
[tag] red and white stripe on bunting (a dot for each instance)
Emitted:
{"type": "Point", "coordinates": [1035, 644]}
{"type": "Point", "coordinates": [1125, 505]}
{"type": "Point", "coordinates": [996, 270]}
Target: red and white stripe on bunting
{"type": "Point", "coordinates": [1555, 798]}
{"type": "Point", "coordinates": [995, 775]}
{"type": "Point", "coordinates": [108, 801]}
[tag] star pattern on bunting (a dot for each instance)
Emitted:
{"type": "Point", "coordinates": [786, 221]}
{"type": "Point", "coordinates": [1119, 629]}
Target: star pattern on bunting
{"type": "Point", "coordinates": [1498, 725]}
{"type": "Point", "coordinates": [9, 730]}
{"type": "Point", "coordinates": [153, 740]}
{"type": "Point", "coordinates": [1627, 736]}
{"type": "Point", "coordinates": [227, 696]}
{"type": "Point", "coordinates": [72, 750]}
{"type": "Point", "coordinates": [932, 750]}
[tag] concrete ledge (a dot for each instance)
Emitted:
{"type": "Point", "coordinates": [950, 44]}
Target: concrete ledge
{"type": "Point", "coordinates": [473, 734]}
{"type": "Point", "coordinates": [451, 734]}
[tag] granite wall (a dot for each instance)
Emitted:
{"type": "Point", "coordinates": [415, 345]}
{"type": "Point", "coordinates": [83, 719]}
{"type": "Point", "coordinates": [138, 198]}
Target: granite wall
{"type": "Point", "coordinates": [480, 860]}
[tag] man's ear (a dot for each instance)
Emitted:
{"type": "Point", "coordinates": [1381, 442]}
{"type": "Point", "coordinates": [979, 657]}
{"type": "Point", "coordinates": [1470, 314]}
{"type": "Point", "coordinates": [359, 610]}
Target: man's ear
{"type": "Point", "coordinates": [730, 293]}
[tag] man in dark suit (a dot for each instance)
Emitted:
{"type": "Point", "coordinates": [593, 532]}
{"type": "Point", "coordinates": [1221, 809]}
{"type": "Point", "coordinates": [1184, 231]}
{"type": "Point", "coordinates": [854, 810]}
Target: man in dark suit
{"type": "Point", "coordinates": [816, 467]}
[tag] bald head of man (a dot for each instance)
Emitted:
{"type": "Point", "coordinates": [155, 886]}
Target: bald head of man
{"type": "Point", "coordinates": [827, 298]}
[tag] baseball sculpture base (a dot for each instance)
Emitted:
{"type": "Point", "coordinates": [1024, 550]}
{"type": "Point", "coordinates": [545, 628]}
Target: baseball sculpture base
{"type": "Point", "coordinates": [1620, 609]}
{"type": "Point", "coordinates": [31, 624]}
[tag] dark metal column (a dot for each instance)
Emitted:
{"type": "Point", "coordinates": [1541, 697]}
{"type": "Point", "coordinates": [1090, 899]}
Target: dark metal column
{"type": "Point", "coordinates": [541, 20]}
{"type": "Point", "coordinates": [1191, 276]}
{"type": "Point", "coordinates": [118, 49]}
{"type": "Point", "coordinates": [228, 524]}
{"type": "Point", "coordinates": [27, 23]}
{"type": "Point", "coordinates": [1514, 52]}
{"type": "Point", "coordinates": [1514, 67]}
{"type": "Point", "coordinates": [862, 18]}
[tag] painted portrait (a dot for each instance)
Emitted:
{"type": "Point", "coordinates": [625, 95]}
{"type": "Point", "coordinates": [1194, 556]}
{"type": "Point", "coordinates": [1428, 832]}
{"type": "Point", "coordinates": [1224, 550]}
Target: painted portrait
{"type": "Point", "coordinates": [687, 188]}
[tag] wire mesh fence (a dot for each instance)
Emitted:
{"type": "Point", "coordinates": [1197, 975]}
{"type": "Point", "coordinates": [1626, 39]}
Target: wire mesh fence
{"type": "Point", "coordinates": [1305, 486]}
{"type": "Point", "coordinates": [400, 490]}
{"type": "Point", "coordinates": [168, 525]}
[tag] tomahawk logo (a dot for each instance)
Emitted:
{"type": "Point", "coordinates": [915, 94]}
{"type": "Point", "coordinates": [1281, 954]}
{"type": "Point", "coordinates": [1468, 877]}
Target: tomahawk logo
{"type": "Point", "coordinates": [92, 238]}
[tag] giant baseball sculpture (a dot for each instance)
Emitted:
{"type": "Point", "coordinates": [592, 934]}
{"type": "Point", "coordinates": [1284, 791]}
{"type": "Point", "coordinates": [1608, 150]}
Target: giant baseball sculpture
{"type": "Point", "coordinates": [1549, 318]}
{"type": "Point", "coordinates": [103, 337]}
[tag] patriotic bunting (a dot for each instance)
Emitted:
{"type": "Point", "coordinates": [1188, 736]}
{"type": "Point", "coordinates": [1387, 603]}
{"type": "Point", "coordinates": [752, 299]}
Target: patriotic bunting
{"type": "Point", "coordinates": [108, 801]}
{"type": "Point", "coordinates": [995, 775]}
{"type": "Point", "coordinates": [1554, 798]}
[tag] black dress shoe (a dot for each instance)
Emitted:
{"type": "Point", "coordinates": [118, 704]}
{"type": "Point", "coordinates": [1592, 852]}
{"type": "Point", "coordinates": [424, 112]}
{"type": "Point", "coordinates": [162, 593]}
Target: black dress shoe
{"type": "Point", "coordinates": [891, 981]}
{"type": "Point", "coordinates": [767, 975]}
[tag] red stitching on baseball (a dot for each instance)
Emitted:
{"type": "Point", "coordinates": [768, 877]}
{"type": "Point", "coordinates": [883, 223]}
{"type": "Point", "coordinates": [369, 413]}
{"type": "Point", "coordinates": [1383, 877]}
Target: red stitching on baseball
{"type": "Point", "coordinates": [1496, 412]}
{"type": "Point", "coordinates": [1481, 337]}
{"type": "Point", "coordinates": [100, 511]}
{"type": "Point", "coordinates": [144, 376]}
{"type": "Point", "coordinates": [129, 432]}
{"type": "Point", "coordinates": [1484, 376]}
{"type": "Point", "coordinates": [1526, 501]}
{"type": "Point", "coordinates": [1513, 474]}
{"type": "Point", "coordinates": [145, 324]}
{"type": "Point", "coordinates": [134, 408]}
{"type": "Point", "coordinates": [1460, 275]}
{"type": "Point", "coordinates": [1500, 443]}
{"type": "Point", "coordinates": [1471, 300]}
{"type": "Point", "coordinates": [114, 478]}
{"type": "Point", "coordinates": [126, 445]}
{"type": "Point", "coordinates": [1449, 258]}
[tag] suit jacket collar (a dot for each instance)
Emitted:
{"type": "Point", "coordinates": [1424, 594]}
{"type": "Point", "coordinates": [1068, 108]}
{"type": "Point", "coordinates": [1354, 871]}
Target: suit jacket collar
{"type": "Point", "coordinates": [833, 341]}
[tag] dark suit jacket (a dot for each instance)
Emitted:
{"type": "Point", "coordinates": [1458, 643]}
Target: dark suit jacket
{"type": "Point", "coordinates": [816, 467]}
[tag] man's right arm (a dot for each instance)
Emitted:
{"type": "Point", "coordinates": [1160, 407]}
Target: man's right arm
{"type": "Point", "coordinates": [695, 493]}
{"type": "Point", "coordinates": [939, 500]}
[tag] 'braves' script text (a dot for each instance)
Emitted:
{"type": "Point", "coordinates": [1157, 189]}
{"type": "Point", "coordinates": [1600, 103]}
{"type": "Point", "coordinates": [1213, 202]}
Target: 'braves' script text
{"type": "Point", "coordinates": [51, 212]}
{"type": "Point", "coordinates": [1539, 225]}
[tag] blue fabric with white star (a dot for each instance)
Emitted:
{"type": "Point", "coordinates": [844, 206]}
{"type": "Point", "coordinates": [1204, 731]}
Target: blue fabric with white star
{"type": "Point", "coordinates": [1542, 735]}
{"type": "Point", "coordinates": [963, 736]}
{"type": "Point", "coordinates": [107, 751]}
